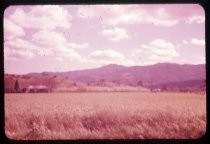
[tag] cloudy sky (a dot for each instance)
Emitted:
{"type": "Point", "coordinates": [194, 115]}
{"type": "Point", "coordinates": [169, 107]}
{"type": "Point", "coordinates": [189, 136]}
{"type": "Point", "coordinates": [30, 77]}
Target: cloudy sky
{"type": "Point", "coordinates": [61, 38]}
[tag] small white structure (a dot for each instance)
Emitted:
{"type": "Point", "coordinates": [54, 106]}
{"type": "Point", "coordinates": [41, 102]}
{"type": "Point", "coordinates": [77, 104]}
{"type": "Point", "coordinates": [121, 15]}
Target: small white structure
{"type": "Point", "coordinates": [156, 90]}
{"type": "Point", "coordinates": [37, 89]}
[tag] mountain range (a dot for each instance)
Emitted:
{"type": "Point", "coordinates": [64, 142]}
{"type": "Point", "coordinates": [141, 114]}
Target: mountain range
{"type": "Point", "coordinates": [157, 75]}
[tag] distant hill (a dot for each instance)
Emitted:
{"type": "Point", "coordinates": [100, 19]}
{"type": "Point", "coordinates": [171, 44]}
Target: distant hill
{"type": "Point", "coordinates": [156, 76]}
{"type": "Point", "coordinates": [149, 75]}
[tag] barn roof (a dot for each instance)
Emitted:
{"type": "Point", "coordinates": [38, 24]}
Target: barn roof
{"type": "Point", "coordinates": [41, 87]}
{"type": "Point", "coordinates": [37, 87]}
{"type": "Point", "coordinates": [31, 87]}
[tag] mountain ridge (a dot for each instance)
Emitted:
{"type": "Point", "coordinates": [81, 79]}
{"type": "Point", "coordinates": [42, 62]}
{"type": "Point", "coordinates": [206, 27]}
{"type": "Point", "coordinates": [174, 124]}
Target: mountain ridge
{"type": "Point", "coordinates": [151, 76]}
{"type": "Point", "coordinates": [163, 71]}
{"type": "Point", "coordinates": [157, 73]}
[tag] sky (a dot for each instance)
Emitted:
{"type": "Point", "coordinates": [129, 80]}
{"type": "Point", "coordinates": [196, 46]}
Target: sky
{"type": "Point", "coordinates": [56, 38]}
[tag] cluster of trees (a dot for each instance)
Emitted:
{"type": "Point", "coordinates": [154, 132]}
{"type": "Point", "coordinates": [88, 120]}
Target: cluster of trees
{"type": "Point", "coordinates": [52, 83]}
{"type": "Point", "coordinates": [191, 86]}
{"type": "Point", "coordinates": [15, 89]}
{"type": "Point", "coordinates": [18, 89]}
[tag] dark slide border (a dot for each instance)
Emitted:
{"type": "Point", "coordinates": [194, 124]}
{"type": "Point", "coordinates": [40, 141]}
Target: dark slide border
{"type": "Point", "coordinates": [5, 3]}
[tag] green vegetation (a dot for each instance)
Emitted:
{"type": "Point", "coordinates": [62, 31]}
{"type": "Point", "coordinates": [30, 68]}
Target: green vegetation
{"type": "Point", "coordinates": [17, 87]}
{"type": "Point", "coordinates": [115, 115]}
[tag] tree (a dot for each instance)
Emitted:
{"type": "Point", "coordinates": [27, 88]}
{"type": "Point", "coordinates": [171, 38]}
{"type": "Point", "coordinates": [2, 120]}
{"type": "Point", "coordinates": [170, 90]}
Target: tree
{"type": "Point", "coordinates": [140, 83]}
{"type": "Point", "coordinates": [151, 84]}
{"type": "Point", "coordinates": [17, 87]}
{"type": "Point", "coordinates": [23, 90]}
{"type": "Point", "coordinates": [164, 87]}
{"type": "Point", "coordinates": [50, 82]}
{"type": "Point", "coordinates": [102, 82]}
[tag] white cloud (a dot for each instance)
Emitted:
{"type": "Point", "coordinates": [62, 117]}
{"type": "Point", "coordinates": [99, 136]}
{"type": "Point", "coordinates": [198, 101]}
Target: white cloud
{"type": "Point", "coordinates": [115, 34]}
{"type": "Point", "coordinates": [162, 22]}
{"type": "Point", "coordinates": [42, 17]}
{"type": "Point", "coordinates": [55, 40]}
{"type": "Point", "coordinates": [196, 19]}
{"type": "Point", "coordinates": [48, 38]}
{"type": "Point", "coordinates": [11, 30]}
{"type": "Point", "coordinates": [128, 62]}
{"type": "Point", "coordinates": [134, 16]}
{"type": "Point", "coordinates": [185, 42]}
{"type": "Point", "coordinates": [78, 46]}
{"type": "Point", "coordinates": [156, 51]}
{"type": "Point", "coordinates": [86, 12]}
{"type": "Point", "coordinates": [69, 53]}
{"type": "Point", "coordinates": [19, 49]}
{"type": "Point", "coordinates": [55, 44]}
{"type": "Point", "coordinates": [45, 43]}
{"type": "Point", "coordinates": [46, 52]}
{"type": "Point", "coordinates": [126, 18]}
{"type": "Point", "coordinates": [195, 41]}
{"type": "Point", "coordinates": [130, 14]}
{"type": "Point", "coordinates": [109, 56]}
{"type": "Point", "coordinates": [199, 42]}
{"type": "Point", "coordinates": [11, 54]}
{"type": "Point", "coordinates": [64, 52]}
{"type": "Point", "coordinates": [201, 60]}
{"type": "Point", "coordinates": [19, 43]}
{"type": "Point", "coordinates": [161, 48]}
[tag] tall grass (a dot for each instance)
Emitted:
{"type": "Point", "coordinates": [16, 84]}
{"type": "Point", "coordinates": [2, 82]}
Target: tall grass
{"type": "Point", "coordinates": [105, 116]}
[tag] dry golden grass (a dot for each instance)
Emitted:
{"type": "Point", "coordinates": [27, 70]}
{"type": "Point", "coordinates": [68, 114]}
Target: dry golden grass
{"type": "Point", "coordinates": [114, 115]}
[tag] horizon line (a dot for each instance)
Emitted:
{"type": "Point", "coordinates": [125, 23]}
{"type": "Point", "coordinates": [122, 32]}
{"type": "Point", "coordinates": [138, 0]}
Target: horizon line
{"type": "Point", "coordinates": [101, 67]}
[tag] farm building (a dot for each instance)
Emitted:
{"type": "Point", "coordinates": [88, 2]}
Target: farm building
{"type": "Point", "coordinates": [37, 89]}
{"type": "Point", "coordinates": [156, 90]}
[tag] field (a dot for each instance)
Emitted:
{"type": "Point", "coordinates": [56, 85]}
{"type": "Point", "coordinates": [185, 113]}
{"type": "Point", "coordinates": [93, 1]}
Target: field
{"type": "Point", "coordinates": [114, 115]}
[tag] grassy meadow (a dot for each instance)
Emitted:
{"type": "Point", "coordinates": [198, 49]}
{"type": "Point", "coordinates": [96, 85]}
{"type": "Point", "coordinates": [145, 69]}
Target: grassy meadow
{"type": "Point", "coordinates": [105, 115]}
